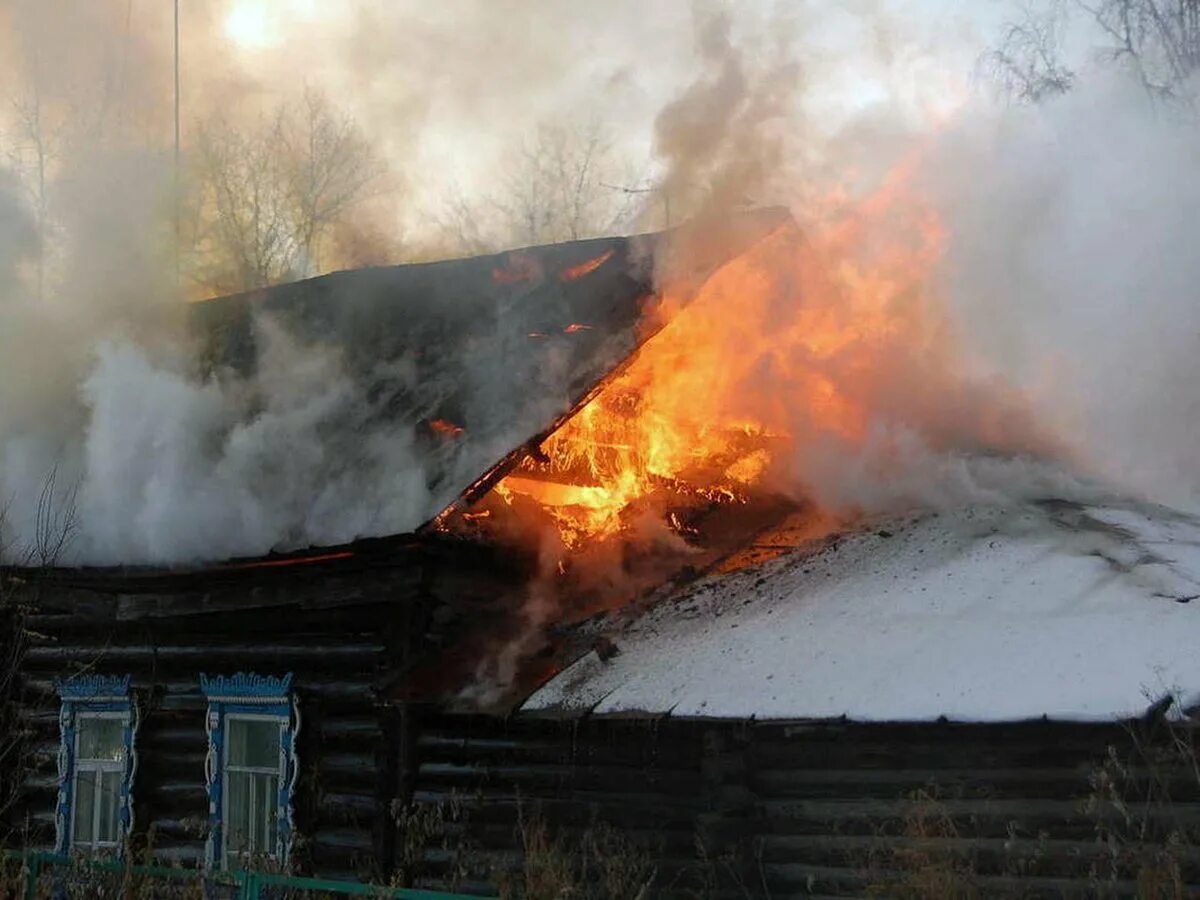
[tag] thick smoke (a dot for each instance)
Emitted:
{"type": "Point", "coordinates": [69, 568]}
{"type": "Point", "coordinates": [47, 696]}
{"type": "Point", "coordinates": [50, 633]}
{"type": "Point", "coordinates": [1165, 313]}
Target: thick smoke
{"type": "Point", "coordinates": [1057, 325]}
{"type": "Point", "coordinates": [1065, 293]}
{"type": "Point", "coordinates": [1073, 276]}
{"type": "Point", "coordinates": [161, 442]}
{"type": "Point", "coordinates": [106, 422]}
{"type": "Point", "coordinates": [1047, 350]}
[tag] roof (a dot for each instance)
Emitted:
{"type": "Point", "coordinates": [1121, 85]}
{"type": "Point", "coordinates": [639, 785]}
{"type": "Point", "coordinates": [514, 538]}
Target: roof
{"type": "Point", "coordinates": [251, 573]}
{"type": "Point", "coordinates": [476, 360]}
{"type": "Point", "coordinates": [1064, 610]}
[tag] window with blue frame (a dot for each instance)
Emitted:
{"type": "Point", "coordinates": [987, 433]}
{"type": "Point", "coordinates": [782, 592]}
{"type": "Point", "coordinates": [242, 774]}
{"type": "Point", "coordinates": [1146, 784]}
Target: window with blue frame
{"type": "Point", "coordinates": [97, 759]}
{"type": "Point", "coordinates": [251, 767]}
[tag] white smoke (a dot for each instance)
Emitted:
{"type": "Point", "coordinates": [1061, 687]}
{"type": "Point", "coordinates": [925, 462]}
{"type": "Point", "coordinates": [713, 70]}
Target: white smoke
{"type": "Point", "coordinates": [1069, 276]}
{"type": "Point", "coordinates": [200, 469]}
{"type": "Point", "coordinates": [1073, 273]}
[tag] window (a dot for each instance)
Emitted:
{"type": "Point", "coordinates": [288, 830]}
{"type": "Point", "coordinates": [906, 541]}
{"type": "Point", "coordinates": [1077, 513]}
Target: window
{"type": "Point", "coordinates": [96, 762]}
{"type": "Point", "coordinates": [99, 776]}
{"type": "Point", "coordinates": [251, 767]}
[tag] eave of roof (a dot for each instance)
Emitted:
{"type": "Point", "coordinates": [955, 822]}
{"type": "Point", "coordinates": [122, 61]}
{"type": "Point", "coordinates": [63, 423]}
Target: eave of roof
{"type": "Point", "coordinates": [365, 555]}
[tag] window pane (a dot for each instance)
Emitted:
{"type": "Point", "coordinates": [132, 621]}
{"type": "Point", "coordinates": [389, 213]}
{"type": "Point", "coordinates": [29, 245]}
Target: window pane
{"type": "Point", "coordinates": [108, 797]}
{"type": "Point", "coordinates": [101, 738]}
{"type": "Point", "coordinates": [253, 743]}
{"type": "Point", "coordinates": [237, 814]}
{"type": "Point", "coordinates": [85, 800]}
{"type": "Point", "coordinates": [267, 795]}
{"type": "Point", "coordinates": [251, 817]}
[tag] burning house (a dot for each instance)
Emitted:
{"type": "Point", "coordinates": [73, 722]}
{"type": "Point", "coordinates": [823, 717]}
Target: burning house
{"type": "Point", "coordinates": [601, 620]}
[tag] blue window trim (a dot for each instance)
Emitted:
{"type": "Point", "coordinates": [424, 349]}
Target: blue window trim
{"type": "Point", "coordinates": [92, 693]}
{"type": "Point", "coordinates": [263, 695]}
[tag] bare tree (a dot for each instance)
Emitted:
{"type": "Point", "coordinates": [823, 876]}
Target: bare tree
{"type": "Point", "coordinates": [567, 181]}
{"type": "Point", "coordinates": [55, 126]}
{"type": "Point", "coordinates": [13, 746]}
{"type": "Point", "coordinates": [330, 167]}
{"type": "Point", "coordinates": [54, 522]}
{"type": "Point", "coordinates": [246, 239]}
{"type": "Point", "coordinates": [268, 197]}
{"type": "Point", "coordinates": [1026, 63]}
{"type": "Point", "coordinates": [1160, 39]}
{"type": "Point", "coordinates": [33, 145]}
{"type": "Point", "coordinates": [55, 526]}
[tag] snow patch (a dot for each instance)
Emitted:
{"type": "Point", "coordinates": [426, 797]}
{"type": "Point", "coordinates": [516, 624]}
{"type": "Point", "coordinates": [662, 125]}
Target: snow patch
{"type": "Point", "coordinates": [983, 614]}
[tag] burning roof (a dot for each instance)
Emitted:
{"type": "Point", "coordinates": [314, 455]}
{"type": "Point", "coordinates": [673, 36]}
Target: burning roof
{"type": "Point", "coordinates": [485, 357]}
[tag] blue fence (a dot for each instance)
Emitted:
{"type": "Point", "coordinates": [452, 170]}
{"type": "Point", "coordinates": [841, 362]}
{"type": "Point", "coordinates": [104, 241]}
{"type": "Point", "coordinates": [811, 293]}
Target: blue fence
{"type": "Point", "coordinates": [54, 875]}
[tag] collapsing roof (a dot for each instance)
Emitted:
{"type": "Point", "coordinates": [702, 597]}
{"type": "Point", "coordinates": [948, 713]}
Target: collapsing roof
{"type": "Point", "coordinates": [1064, 610]}
{"type": "Point", "coordinates": [483, 357]}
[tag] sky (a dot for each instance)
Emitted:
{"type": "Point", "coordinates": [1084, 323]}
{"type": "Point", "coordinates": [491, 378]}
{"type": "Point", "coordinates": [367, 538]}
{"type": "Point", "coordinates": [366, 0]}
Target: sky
{"type": "Point", "coordinates": [447, 87]}
{"type": "Point", "coordinates": [809, 104]}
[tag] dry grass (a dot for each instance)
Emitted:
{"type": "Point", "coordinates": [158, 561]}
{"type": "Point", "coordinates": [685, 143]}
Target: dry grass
{"type": "Point", "coordinates": [1135, 803]}
{"type": "Point", "coordinates": [599, 863]}
{"type": "Point", "coordinates": [923, 863]}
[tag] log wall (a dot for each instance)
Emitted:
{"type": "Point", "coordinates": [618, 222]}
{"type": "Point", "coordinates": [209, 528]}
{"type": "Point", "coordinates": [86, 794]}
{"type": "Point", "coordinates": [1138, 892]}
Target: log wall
{"type": "Point", "coordinates": [344, 628]}
{"type": "Point", "coordinates": [728, 809]}
{"type": "Point", "coordinates": [405, 789]}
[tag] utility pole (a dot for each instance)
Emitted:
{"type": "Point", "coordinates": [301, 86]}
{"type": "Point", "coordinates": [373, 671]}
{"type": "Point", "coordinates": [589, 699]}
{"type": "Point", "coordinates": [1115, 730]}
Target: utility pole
{"type": "Point", "coordinates": [177, 183]}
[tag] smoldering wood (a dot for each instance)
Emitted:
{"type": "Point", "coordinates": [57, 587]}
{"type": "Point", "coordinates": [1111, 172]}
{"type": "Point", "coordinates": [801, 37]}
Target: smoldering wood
{"type": "Point", "coordinates": [472, 357]}
{"type": "Point", "coordinates": [479, 359]}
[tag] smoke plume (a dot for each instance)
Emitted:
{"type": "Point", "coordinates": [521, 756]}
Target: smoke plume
{"type": "Point", "coordinates": [1006, 292]}
{"type": "Point", "coordinates": [1072, 277]}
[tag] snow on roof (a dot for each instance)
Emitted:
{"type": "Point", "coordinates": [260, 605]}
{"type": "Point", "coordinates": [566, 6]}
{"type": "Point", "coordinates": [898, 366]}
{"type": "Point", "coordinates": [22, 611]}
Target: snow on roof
{"type": "Point", "coordinates": [982, 614]}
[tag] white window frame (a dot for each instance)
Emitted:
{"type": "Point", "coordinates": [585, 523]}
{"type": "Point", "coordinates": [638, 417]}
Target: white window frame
{"type": "Point", "coordinates": [248, 695]}
{"type": "Point", "coordinates": [280, 773]}
{"type": "Point", "coordinates": [115, 767]}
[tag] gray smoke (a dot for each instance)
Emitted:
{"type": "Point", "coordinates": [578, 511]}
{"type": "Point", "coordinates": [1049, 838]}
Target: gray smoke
{"type": "Point", "coordinates": [1069, 280]}
{"type": "Point", "coordinates": [1073, 274]}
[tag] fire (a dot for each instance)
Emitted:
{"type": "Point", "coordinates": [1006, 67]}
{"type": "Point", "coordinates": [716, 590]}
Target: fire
{"type": "Point", "coordinates": [585, 268]}
{"type": "Point", "coordinates": [292, 561]}
{"type": "Point", "coordinates": [788, 353]}
{"type": "Point", "coordinates": [520, 267]}
{"type": "Point", "coordinates": [446, 427]}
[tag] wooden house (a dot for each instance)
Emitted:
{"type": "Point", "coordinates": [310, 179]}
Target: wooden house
{"type": "Point", "coordinates": [960, 697]}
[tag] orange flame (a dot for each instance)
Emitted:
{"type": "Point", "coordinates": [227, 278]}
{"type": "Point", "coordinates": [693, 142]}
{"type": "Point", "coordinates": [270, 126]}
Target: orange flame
{"type": "Point", "coordinates": [291, 561]}
{"type": "Point", "coordinates": [788, 353]}
{"type": "Point", "coordinates": [446, 427]}
{"type": "Point", "coordinates": [521, 267]}
{"type": "Point", "coordinates": [585, 268]}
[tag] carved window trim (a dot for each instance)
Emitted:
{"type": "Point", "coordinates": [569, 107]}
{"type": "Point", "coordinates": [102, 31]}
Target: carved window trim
{"type": "Point", "coordinates": [249, 695]}
{"type": "Point", "coordinates": [94, 696]}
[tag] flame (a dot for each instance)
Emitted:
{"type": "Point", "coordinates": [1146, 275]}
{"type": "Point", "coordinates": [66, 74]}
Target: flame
{"type": "Point", "coordinates": [585, 268]}
{"type": "Point", "coordinates": [788, 352]}
{"type": "Point", "coordinates": [446, 427]}
{"type": "Point", "coordinates": [520, 267]}
{"type": "Point", "coordinates": [292, 561]}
